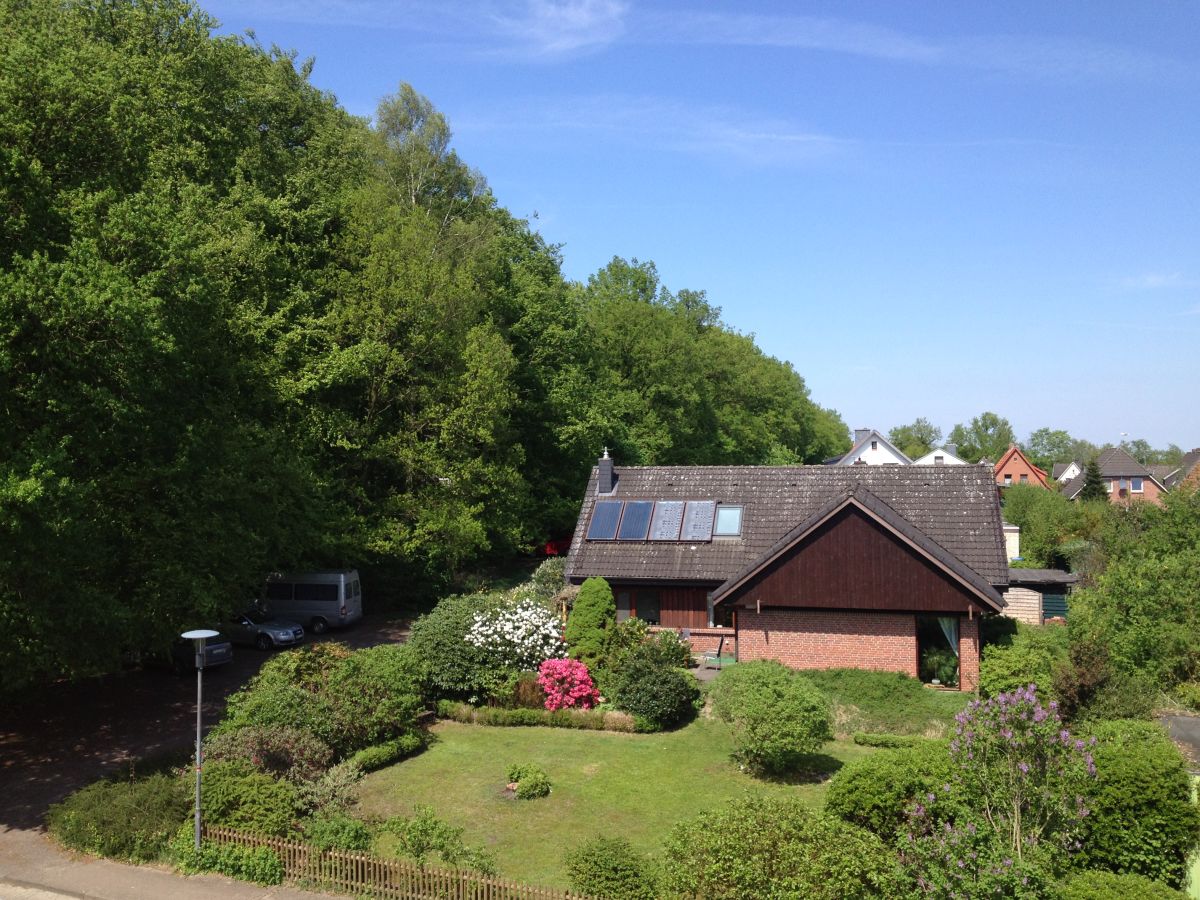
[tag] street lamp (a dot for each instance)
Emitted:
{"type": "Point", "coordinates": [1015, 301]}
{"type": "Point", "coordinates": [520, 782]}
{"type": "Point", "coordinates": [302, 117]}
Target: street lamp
{"type": "Point", "coordinates": [198, 637]}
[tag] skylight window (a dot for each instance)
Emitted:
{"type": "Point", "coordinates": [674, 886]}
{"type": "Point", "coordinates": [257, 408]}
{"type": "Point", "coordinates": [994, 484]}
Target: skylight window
{"type": "Point", "coordinates": [729, 521]}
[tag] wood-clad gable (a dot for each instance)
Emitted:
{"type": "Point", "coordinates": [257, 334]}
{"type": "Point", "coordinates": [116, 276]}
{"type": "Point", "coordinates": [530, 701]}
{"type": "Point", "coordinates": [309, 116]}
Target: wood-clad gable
{"type": "Point", "coordinates": [853, 560]}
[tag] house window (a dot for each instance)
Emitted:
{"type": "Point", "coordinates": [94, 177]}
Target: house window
{"type": "Point", "coordinates": [874, 445]}
{"type": "Point", "coordinates": [729, 521]}
{"type": "Point", "coordinates": [1137, 487]}
{"type": "Point", "coordinates": [648, 609]}
{"type": "Point", "coordinates": [1108, 486]}
{"type": "Point", "coordinates": [1124, 483]}
{"type": "Point", "coordinates": [939, 460]}
{"type": "Point", "coordinates": [1007, 480]}
{"type": "Point", "coordinates": [624, 605]}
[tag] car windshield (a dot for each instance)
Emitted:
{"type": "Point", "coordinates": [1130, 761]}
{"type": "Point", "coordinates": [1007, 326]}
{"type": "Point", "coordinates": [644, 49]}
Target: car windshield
{"type": "Point", "coordinates": [258, 618]}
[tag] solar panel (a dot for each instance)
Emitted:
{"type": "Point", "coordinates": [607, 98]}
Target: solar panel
{"type": "Point", "coordinates": [636, 521]}
{"type": "Point", "coordinates": [605, 517]}
{"type": "Point", "coordinates": [698, 520]}
{"type": "Point", "coordinates": [668, 516]}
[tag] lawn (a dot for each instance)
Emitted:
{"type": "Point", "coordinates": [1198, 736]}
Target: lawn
{"type": "Point", "coordinates": [626, 785]}
{"type": "Point", "coordinates": [887, 702]}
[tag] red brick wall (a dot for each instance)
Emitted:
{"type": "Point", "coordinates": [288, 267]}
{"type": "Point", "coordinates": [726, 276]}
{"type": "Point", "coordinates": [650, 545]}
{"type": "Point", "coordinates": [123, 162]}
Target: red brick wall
{"type": "Point", "coordinates": [825, 639]}
{"type": "Point", "coordinates": [968, 653]}
{"type": "Point", "coordinates": [705, 640]}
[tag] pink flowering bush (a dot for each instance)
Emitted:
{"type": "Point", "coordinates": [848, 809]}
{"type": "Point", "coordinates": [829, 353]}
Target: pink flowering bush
{"type": "Point", "coordinates": [1013, 810]}
{"type": "Point", "coordinates": [567, 684]}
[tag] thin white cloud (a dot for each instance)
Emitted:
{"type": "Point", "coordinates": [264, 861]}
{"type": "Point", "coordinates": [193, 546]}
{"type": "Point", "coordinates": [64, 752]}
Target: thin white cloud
{"type": "Point", "coordinates": [1155, 281]}
{"type": "Point", "coordinates": [697, 130]}
{"type": "Point", "coordinates": [1056, 58]}
{"type": "Point", "coordinates": [553, 28]}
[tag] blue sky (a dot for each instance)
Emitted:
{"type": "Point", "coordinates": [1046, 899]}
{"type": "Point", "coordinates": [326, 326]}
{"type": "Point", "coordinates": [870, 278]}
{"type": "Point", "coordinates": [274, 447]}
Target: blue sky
{"type": "Point", "coordinates": [930, 209]}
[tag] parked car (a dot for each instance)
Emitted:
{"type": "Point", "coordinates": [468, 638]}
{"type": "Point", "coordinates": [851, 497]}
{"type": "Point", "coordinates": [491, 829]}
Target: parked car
{"type": "Point", "coordinates": [217, 652]}
{"type": "Point", "coordinates": [321, 600]}
{"type": "Point", "coordinates": [262, 630]}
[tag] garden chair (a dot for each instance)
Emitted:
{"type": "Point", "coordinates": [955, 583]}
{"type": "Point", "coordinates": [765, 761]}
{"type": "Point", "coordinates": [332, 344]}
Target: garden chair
{"type": "Point", "coordinates": [713, 656]}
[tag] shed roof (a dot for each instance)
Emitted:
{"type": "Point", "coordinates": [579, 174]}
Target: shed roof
{"type": "Point", "coordinates": [955, 507]}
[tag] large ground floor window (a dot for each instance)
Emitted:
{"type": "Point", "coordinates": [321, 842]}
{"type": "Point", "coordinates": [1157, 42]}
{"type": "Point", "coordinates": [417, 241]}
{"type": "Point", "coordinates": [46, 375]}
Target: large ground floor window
{"type": "Point", "coordinates": [937, 649]}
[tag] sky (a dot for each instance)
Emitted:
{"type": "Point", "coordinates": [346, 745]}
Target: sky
{"type": "Point", "coordinates": [930, 209]}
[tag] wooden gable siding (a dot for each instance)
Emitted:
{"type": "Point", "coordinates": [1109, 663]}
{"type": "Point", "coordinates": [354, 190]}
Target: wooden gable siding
{"type": "Point", "coordinates": [853, 562]}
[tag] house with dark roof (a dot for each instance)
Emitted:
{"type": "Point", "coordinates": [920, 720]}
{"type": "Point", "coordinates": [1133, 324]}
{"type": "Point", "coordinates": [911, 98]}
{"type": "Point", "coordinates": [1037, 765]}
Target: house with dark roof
{"type": "Point", "coordinates": [815, 566]}
{"type": "Point", "coordinates": [1014, 467]}
{"type": "Point", "coordinates": [1037, 595]}
{"type": "Point", "coordinates": [1125, 479]}
{"type": "Point", "coordinates": [1187, 471]}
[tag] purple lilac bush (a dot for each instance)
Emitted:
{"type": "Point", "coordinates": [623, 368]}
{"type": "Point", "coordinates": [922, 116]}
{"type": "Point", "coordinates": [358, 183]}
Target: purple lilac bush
{"type": "Point", "coordinates": [1013, 809]}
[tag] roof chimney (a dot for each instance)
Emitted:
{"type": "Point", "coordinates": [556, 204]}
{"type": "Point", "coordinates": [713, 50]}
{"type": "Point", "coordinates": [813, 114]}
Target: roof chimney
{"type": "Point", "coordinates": [952, 449]}
{"type": "Point", "coordinates": [607, 480]}
{"type": "Point", "coordinates": [860, 435]}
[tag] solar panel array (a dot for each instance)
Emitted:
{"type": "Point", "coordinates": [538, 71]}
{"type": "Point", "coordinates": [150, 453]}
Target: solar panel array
{"type": "Point", "coordinates": [652, 520]}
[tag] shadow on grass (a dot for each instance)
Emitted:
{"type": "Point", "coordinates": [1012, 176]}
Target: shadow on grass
{"type": "Point", "coordinates": [812, 768]}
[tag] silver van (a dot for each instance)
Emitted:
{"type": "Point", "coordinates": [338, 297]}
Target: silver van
{"type": "Point", "coordinates": [318, 600]}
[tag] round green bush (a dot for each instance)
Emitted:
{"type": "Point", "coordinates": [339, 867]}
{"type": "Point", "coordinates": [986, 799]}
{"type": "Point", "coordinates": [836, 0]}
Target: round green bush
{"type": "Point", "coordinates": [338, 832]}
{"type": "Point", "coordinates": [452, 667]}
{"type": "Point", "coordinates": [235, 795]}
{"type": "Point", "coordinates": [1032, 657]}
{"type": "Point", "coordinates": [531, 781]}
{"type": "Point", "coordinates": [593, 616]}
{"type": "Point", "coordinates": [776, 847]}
{"type": "Point", "coordinates": [611, 868]}
{"type": "Point", "coordinates": [658, 696]}
{"type": "Point", "coordinates": [347, 699]}
{"type": "Point", "coordinates": [874, 792]}
{"type": "Point", "coordinates": [1141, 818]}
{"type": "Point", "coordinates": [277, 750]}
{"type": "Point", "coordinates": [133, 820]}
{"type": "Point", "coordinates": [777, 716]}
{"type": "Point", "coordinates": [1109, 886]}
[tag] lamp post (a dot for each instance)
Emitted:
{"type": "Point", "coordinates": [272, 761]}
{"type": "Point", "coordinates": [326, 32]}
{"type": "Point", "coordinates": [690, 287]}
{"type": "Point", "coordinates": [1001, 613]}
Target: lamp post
{"type": "Point", "coordinates": [198, 637]}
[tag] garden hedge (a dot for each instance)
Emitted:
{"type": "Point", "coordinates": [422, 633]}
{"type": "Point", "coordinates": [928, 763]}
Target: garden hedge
{"type": "Point", "coordinates": [874, 792]}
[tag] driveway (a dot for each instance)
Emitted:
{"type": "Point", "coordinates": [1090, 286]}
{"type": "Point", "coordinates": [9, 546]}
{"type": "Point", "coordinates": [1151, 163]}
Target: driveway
{"type": "Point", "coordinates": [1185, 732]}
{"type": "Point", "coordinates": [68, 735]}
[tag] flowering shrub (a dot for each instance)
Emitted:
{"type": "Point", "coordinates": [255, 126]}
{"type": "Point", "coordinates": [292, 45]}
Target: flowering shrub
{"type": "Point", "coordinates": [1013, 809]}
{"type": "Point", "coordinates": [517, 635]}
{"type": "Point", "coordinates": [567, 684]}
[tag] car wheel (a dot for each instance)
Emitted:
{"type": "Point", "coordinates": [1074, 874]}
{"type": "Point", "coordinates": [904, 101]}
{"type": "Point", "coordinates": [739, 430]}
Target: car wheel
{"type": "Point", "coordinates": [318, 626]}
{"type": "Point", "coordinates": [263, 642]}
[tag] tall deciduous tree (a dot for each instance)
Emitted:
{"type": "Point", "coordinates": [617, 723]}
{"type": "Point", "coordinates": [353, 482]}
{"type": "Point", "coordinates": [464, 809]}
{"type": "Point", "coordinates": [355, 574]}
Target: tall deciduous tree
{"type": "Point", "coordinates": [986, 437]}
{"type": "Point", "coordinates": [916, 439]}
{"type": "Point", "coordinates": [1047, 446]}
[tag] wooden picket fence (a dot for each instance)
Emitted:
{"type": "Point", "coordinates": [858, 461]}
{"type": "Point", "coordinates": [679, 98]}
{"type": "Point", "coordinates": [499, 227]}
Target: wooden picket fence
{"type": "Point", "coordinates": [361, 874]}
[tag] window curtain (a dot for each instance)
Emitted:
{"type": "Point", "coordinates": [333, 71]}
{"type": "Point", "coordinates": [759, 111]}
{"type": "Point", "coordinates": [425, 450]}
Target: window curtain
{"type": "Point", "coordinates": [950, 630]}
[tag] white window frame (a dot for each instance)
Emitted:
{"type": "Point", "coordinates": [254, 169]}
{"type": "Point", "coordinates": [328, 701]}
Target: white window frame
{"type": "Point", "coordinates": [1137, 485]}
{"type": "Point", "coordinates": [717, 518]}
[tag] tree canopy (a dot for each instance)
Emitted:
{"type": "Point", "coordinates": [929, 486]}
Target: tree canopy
{"type": "Point", "coordinates": [917, 439]}
{"type": "Point", "coordinates": [243, 331]}
{"type": "Point", "coordinates": [987, 436]}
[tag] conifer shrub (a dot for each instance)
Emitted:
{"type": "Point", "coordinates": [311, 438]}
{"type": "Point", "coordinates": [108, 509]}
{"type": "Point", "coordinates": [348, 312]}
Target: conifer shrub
{"type": "Point", "coordinates": [236, 795]}
{"type": "Point", "coordinates": [592, 618]}
{"type": "Point", "coordinates": [132, 820]}
{"type": "Point", "coordinates": [657, 696]}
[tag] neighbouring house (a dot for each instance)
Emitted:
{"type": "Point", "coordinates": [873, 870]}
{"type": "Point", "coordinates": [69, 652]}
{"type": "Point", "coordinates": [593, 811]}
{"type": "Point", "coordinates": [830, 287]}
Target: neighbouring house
{"type": "Point", "coordinates": [1125, 479]}
{"type": "Point", "coordinates": [870, 449]}
{"type": "Point", "coordinates": [941, 456]}
{"type": "Point", "coordinates": [815, 566]}
{"type": "Point", "coordinates": [1064, 472]}
{"type": "Point", "coordinates": [1036, 595]}
{"type": "Point", "coordinates": [1014, 467]}
{"type": "Point", "coordinates": [1188, 471]}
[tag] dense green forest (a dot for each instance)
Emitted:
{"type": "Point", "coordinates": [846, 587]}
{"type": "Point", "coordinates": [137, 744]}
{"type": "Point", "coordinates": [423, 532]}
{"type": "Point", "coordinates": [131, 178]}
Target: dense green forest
{"type": "Point", "coordinates": [242, 330]}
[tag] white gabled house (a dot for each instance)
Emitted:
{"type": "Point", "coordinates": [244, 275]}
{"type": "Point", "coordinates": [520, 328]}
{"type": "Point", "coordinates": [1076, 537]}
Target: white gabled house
{"type": "Point", "coordinates": [870, 449]}
{"type": "Point", "coordinates": [941, 456]}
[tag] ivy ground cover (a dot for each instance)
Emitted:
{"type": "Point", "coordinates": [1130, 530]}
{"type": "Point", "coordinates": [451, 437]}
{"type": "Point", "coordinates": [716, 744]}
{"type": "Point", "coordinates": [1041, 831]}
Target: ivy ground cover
{"type": "Point", "coordinates": [618, 785]}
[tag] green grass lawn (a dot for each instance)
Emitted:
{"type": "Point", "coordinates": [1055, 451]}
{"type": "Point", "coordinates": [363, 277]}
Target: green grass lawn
{"type": "Point", "coordinates": [617, 785]}
{"type": "Point", "coordinates": [888, 703]}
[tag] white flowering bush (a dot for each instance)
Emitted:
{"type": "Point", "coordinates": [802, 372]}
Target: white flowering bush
{"type": "Point", "coordinates": [518, 635]}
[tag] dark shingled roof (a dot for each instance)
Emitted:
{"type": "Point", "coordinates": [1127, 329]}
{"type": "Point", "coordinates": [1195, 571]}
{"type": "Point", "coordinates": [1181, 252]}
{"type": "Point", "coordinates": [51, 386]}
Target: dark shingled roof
{"type": "Point", "coordinates": [1114, 463]}
{"type": "Point", "coordinates": [1040, 576]}
{"type": "Point", "coordinates": [1190, 460]}
{"type": "Point", "coordinates": [1058, 469]}
{"type": "Point", "coordinates": [956, 507]}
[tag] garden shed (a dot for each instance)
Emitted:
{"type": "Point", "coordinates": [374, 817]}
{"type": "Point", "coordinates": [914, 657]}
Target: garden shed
{"type": "Point", "coordinates": [815, 566]}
